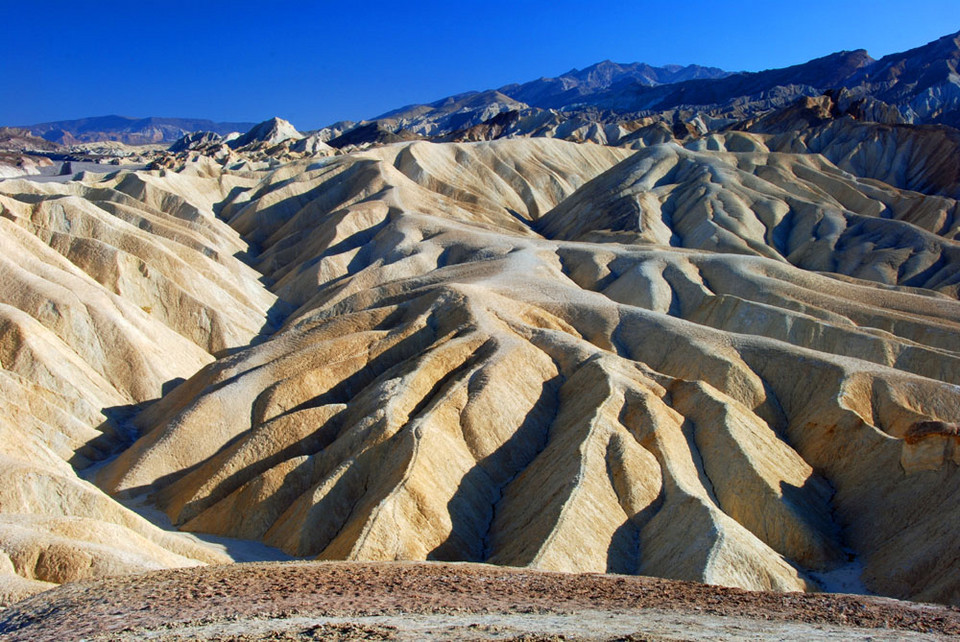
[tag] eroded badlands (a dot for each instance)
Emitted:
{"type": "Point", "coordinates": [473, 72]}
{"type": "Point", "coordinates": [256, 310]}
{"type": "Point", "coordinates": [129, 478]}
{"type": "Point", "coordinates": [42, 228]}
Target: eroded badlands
{"type": "Point", "coordinates": [735, 362]}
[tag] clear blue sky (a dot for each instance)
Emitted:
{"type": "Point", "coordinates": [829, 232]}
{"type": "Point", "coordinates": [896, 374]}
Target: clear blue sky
{"type": "Point", "coordinates": [316, 62]}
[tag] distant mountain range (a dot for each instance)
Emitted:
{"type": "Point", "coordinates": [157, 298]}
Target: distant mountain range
{"type": "Point", "coordinates": [921, 83]}
{"type": "Point", "coordinates": [574, 87]}
{"type": "Point", "coordinates": [608, 101]}
{"type": "Point", "coordinates": [578, 85]}
{"type": "Point", "coordinates": [133, 131]}
{"type": "Point", "coordinates": [920, 86]}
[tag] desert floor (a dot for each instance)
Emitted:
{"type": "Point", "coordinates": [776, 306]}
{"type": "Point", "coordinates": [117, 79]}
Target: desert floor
{"type": "Point", "coordinates": [434, 601]}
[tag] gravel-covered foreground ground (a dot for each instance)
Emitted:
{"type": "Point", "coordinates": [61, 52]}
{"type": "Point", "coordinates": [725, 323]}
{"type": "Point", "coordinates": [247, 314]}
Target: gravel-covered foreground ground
{"type": "Point", "coordinates": [439, 601]}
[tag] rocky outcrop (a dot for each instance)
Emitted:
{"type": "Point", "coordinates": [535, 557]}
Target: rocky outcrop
{"type": "Point", "coordinates": [196, 141]}
{"type": "Point", "coordinates": [21, 140]}
{"type": "Point", "coordinates": [13, 165]}
{"type": "Point", "coordinates": [370, 134]}
{"type": "Point", "coordinates": [313, 145]}
{"type": "Point", "coordinates": [268, 133]}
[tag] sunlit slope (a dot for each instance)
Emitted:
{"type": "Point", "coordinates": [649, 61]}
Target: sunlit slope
{"type": "Point", "coordinates": [113, 289]}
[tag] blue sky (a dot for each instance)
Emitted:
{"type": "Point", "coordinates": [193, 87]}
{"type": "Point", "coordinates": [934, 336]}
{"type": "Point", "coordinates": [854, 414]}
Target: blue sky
{"type": "Point", "coordinates": [316, 62]}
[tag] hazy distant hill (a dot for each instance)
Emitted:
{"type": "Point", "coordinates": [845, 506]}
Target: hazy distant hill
{"type": "Point", "coordinates": [133, 131]}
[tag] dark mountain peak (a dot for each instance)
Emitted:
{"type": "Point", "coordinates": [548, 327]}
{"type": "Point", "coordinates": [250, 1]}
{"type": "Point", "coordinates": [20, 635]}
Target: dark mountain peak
{"type": "Point", "coordinates": [475, 99]}
{"type": "Point", "coordinates": [838, 67]}
{"type": "Point", "coordinates": [814, 76]}
{"type": "Point", "coordinates": [918, 86]}
{"type": "Point", "coordinates": [939, 47]}
{"type": "Point", "coordinates": [607, 69]}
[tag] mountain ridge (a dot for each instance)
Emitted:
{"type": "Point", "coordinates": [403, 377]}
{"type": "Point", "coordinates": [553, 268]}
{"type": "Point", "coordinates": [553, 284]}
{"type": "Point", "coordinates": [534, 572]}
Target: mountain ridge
{"type": "Point", "coordinates": [545, 93]}
{"type": "Point", "coordinates": [821, 73]}
{"type": "Point", "coordinates": [922, 85]}
{"type": "Point", "coordinates": [125, 129]}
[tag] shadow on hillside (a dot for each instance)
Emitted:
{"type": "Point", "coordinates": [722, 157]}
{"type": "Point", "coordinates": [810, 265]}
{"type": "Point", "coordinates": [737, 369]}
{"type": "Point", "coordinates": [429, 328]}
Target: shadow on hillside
{"type": "Point", "coordinates": [116, 433]}
{"type": "Point", "coordinates": [472, 508]}
{"type": "Point", "coordinates": [625, 554]}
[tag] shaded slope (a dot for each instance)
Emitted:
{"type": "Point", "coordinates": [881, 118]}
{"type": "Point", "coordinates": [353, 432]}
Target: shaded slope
{"type": "Point", "coordinates": [923, 158]}
{"type": "Point", "coordinates": [924, 81]}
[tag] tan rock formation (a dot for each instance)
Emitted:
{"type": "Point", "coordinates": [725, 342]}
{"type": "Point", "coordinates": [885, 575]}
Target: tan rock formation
{"type": "Point", "coordinates": [458, 392]}
{"type": "Point", "coordinates": [113, 287]}
{"type": "Point", "coordinates": [740, 367]}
